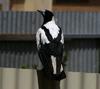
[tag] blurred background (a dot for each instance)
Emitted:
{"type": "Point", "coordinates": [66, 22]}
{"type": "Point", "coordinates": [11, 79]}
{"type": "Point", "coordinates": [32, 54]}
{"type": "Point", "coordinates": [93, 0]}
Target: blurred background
{"type": "Point", "coordinates": [79, 20]}
{"type": "Point", "coordinates": [31, 5]}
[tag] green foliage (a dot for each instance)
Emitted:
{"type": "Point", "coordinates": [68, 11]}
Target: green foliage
{"type": "Point", "coordinates": [24, 66]}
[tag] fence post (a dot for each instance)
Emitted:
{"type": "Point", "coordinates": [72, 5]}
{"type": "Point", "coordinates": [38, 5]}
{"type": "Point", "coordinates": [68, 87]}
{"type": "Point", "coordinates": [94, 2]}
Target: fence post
{"type": "Point", "coordinates": [32, 5]}
{"type": "Point", "coordinates": [25, 80]}
{"type": "Point", "coordinates": [44, 83]}
{"type": "Point", "coordinates": [9, 78]}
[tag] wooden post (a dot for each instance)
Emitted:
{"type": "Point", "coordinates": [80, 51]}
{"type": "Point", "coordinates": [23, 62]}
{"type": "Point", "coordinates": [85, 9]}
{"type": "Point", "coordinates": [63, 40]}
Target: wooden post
{"type": "Point", "coordinates": [44, 83]}
{"type": "Point", "coordinates": [32, 5]}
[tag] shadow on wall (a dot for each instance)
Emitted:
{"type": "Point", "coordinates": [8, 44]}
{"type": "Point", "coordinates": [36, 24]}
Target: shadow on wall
{"type": "Point", "coordinates": [17, 54]}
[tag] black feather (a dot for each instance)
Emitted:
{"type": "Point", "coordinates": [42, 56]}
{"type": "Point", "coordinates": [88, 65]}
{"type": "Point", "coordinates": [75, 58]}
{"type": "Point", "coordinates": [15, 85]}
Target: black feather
{"type": "Point", "coordinates": [55, 48]}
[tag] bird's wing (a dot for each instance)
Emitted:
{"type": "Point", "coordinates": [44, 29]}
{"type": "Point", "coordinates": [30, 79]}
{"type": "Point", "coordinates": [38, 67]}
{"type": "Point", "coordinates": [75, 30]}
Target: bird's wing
{"type": "Point", "coordinates": [41, 38]}
{"type": "Point", "coordinates": [50, 53]}
{"type": "Point", "coordinates": [51, 58]}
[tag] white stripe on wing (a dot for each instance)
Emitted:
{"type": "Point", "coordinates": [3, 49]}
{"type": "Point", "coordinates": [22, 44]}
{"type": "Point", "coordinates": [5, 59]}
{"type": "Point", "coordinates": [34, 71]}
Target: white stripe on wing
{"type": "Point", "coordinates": [53, 59]}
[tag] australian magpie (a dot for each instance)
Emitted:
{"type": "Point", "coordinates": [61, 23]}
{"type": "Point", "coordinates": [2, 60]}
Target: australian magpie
{"type": "Point", "coordinates": [50, 44]}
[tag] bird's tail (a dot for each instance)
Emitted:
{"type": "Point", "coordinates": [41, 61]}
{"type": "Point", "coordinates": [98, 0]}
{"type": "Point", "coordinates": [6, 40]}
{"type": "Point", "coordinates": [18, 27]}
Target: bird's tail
{"type": "Point", "coordinates": [55, 69]}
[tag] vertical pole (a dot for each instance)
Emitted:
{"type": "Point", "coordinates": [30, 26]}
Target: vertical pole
{"type": "Point", "coordinates": [32, 5]}
{"type": "Point", "coordinates": [44, 83]}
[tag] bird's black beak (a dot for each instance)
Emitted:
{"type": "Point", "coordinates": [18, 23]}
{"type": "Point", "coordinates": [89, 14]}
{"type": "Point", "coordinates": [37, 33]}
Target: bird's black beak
{"type": "Point", "coordinates": [41, 12]}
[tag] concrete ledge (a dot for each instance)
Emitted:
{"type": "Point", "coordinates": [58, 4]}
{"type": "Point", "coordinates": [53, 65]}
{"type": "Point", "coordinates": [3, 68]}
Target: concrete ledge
{"type": "Point", "coordinates": [12, 78]}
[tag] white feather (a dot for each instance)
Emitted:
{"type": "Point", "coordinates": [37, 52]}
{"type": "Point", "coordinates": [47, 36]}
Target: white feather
{"type": "Point", "coordinates": [53, 59]}
{"type": "Point", "coordinates": [53, 29]}
{"type": "Point", "coordinates": [61, 69]}
{"type": "Point", "coordinates": [62, 38]}
{"type": "Point", "coordinates": [43, 37]}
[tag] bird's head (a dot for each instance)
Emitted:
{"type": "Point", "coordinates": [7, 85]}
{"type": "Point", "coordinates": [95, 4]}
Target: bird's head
{"type": "Point", "coordinates": [47, 15]}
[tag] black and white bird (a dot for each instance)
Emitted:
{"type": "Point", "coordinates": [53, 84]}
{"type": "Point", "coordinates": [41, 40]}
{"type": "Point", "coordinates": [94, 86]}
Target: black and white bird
{"type": "Point", "coordinates": [50, 44]}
